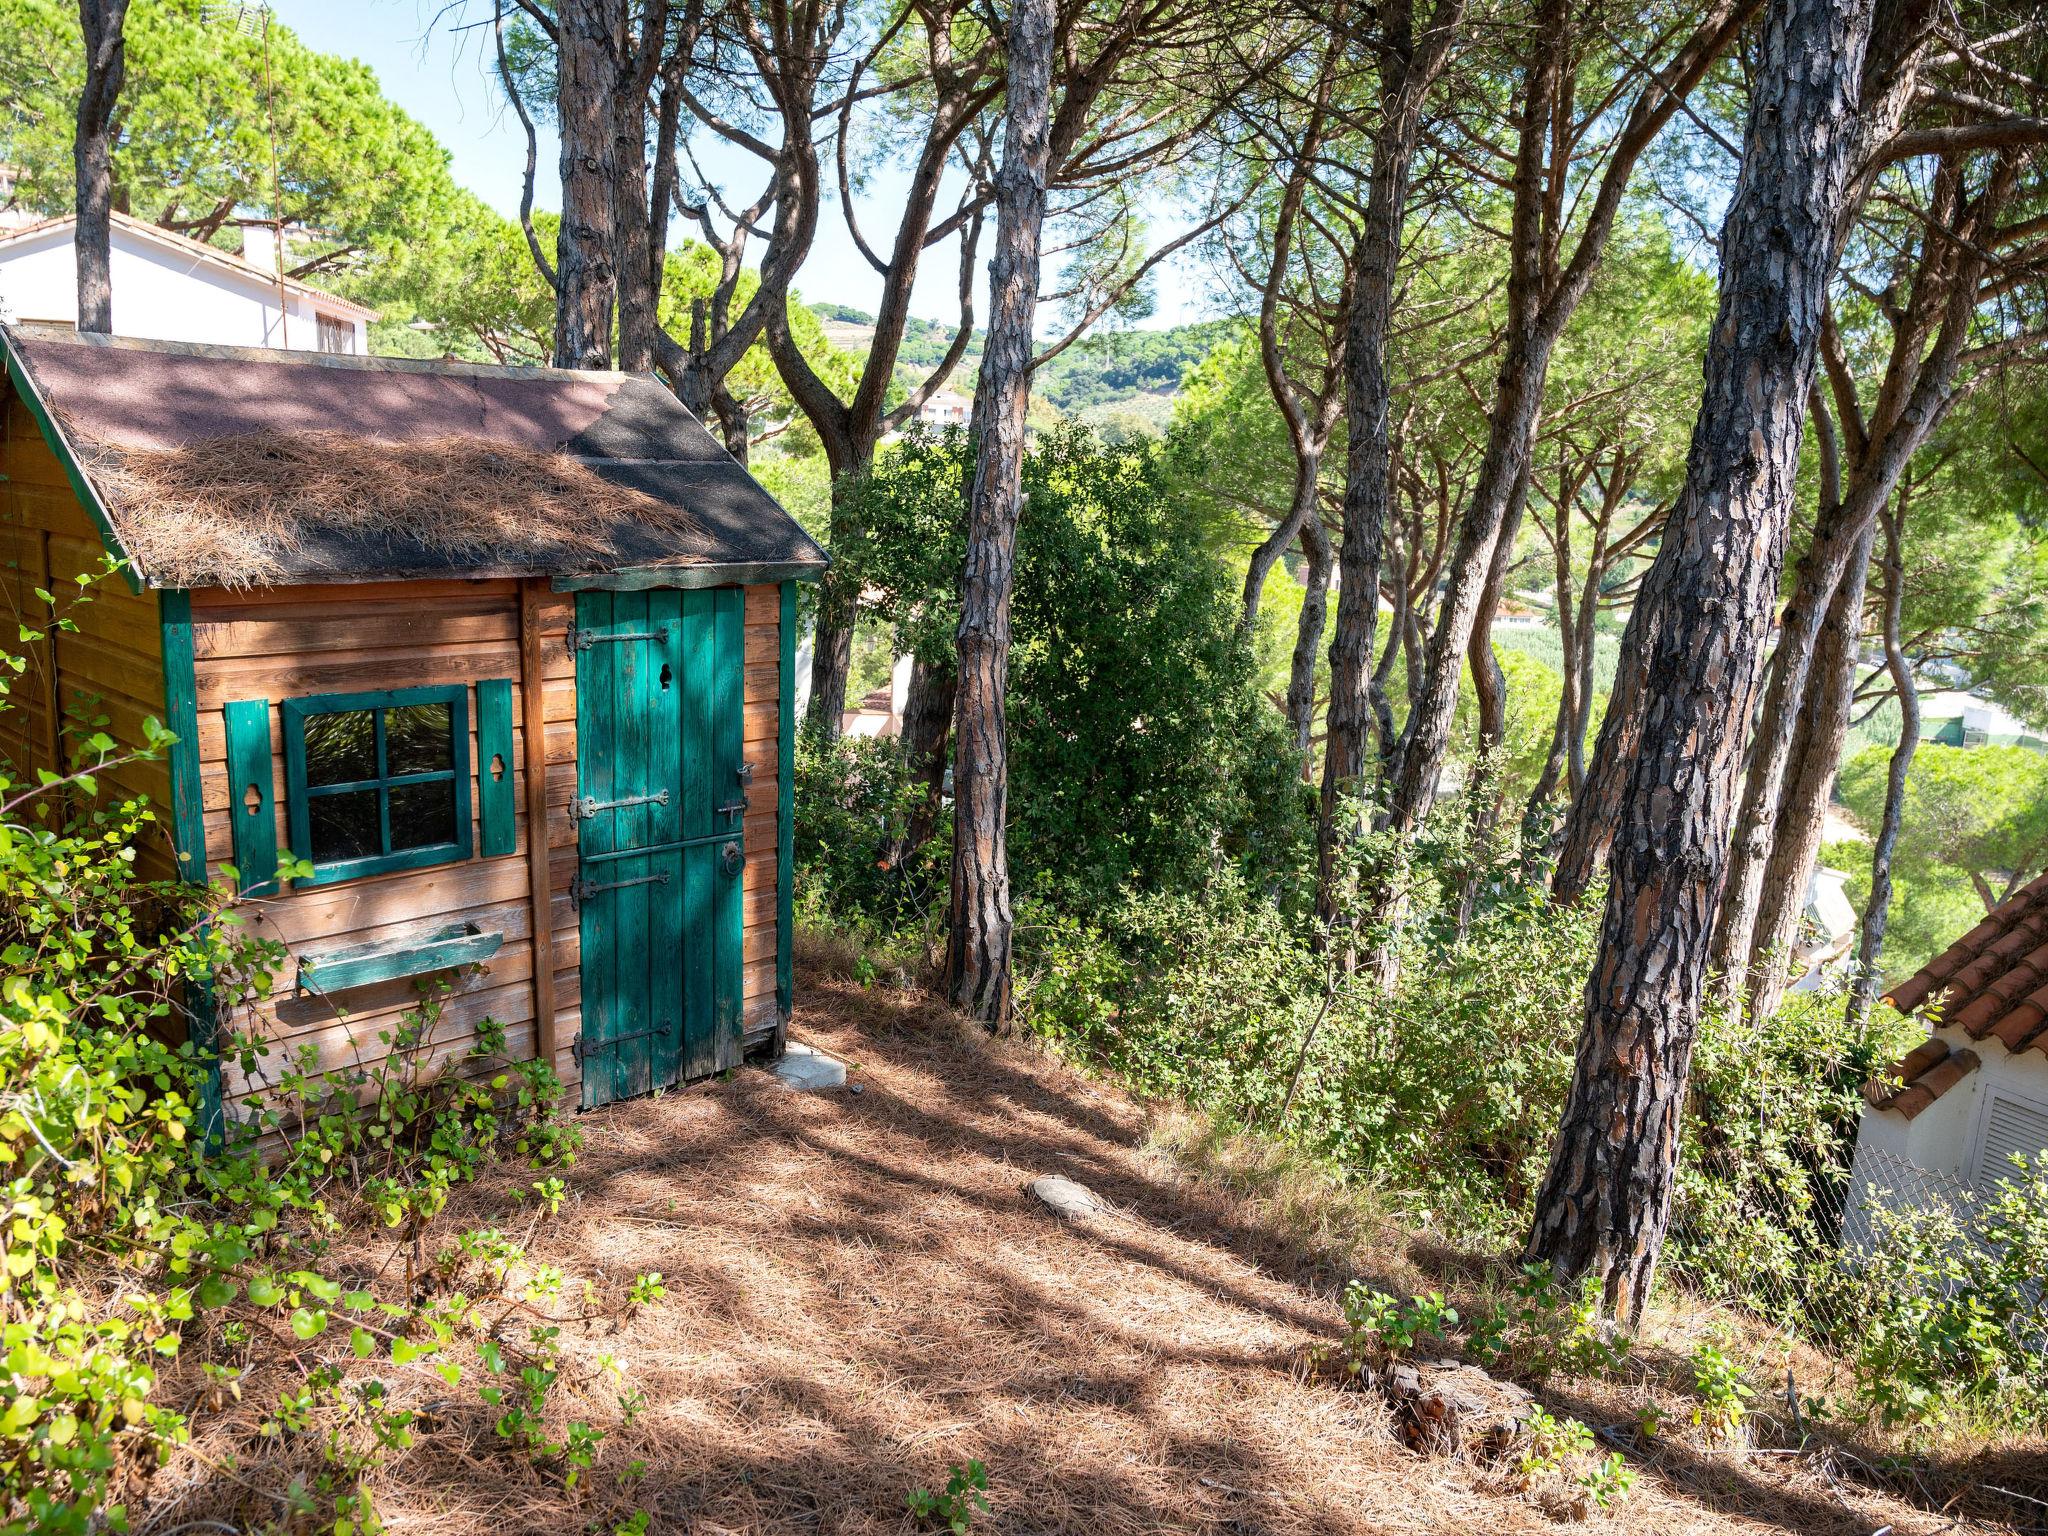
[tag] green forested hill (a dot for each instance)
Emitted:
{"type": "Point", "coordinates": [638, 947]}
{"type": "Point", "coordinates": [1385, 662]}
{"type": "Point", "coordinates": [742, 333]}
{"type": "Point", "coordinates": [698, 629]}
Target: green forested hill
{"type": "Point", "coordinates": [1098, 370]}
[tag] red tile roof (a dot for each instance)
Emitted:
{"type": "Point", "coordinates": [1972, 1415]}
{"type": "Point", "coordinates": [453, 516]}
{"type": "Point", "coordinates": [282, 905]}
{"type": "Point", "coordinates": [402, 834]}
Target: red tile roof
{"type": "Point", "coordinates": [1992, 984]}
{"type": "Point", "coordinates": [1923, 1075]}
{"type": "Point", "coordinates": [1993, 981]}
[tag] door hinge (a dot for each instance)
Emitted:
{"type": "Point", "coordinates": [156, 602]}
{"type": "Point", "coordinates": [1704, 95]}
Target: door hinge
{"type": "Point", "coordinates": [584, 639]}
{"type": "Point", "coordinates": [581, 890]}
{"type": "Point", "coordinates": [589, 806]}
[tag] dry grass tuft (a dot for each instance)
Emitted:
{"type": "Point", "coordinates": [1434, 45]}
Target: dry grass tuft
{"type": "Point", "coordinates": [233, 510]}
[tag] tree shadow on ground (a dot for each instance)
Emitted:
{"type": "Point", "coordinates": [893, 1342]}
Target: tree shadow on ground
{"type": "Point", "coordinates": [862, 1295]}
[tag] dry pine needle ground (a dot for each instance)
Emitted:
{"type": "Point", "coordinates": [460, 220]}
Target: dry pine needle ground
{"type": "Point", "coordinates": [861, 1293]}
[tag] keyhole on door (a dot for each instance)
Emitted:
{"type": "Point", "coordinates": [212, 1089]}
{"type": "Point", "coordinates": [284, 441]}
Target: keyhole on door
{"type": "Point", "coordinates": [664, 677]}
{"type": "Point", "coordinates": [252, 801]}
{"type": "Point", "coordinates": [497, 767]}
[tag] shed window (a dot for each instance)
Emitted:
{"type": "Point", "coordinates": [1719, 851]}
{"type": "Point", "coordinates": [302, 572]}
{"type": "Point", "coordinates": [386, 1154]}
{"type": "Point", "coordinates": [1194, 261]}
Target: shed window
{"type": "Point", "coordinates": [378, 781]}
{"type": "Point", "coordinates": [336, 334]}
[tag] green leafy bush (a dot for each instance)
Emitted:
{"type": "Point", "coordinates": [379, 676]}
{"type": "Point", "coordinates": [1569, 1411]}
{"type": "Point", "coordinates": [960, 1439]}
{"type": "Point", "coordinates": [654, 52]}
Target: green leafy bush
{"type": "Point", "coordinates": [1943, 1313]}
{"type": "Point", "coordinates": [128, 1236]}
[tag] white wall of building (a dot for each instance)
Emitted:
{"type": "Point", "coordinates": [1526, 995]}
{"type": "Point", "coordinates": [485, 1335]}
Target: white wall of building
{"type": "Point", "coordinates": [162, 293]}
{"type": "Point", "coordinates": [1939, 1153]}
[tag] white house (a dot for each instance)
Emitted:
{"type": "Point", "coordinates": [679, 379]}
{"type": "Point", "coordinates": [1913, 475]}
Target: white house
{"type": "Point", "coordinates": [1946, 1119]}
{"type": "Point", "coordinates": [946, 409]}
{"type": "Point", "coordinates": [169, 288]}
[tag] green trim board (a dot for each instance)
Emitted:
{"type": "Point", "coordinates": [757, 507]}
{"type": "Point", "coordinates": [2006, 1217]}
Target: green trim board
{"type": "Point", "coordinates": [497, 809]}
{"type": "Point", "coordinates": [252, 795]}
{"type": "Point", "coordinates": [188, 825]}
{"type": "Point", "coordinates": [362, 965]}
{"type": "Point", "coordinates": [296, 712]}
{"type": "Point", "coordinates": [785, 808]}
{"type": "Point", "coordinates": [67, 456]}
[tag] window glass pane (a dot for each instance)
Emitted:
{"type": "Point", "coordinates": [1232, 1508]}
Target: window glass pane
{"type": "Point", "coordinates": [342, 826]}
{"type": "Point", "coordinates": [341, 748]}
{"type": "Point", "coordinates": [422, 814]}
{"type": "Point", "coordinates": [418, 738]}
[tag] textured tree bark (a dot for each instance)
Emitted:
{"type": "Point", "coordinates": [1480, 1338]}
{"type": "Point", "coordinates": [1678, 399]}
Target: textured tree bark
{"type": "Point", "coordinates": [1704, 611]}
{"type": "Point", "coordinates": [92, 153]}
{"type": "Point", "coordinates": [1810, 779]}
{"type": "Point", "coordinates": [927, 730]}
{"type": "Point", "coordinates": [1917, 391]}
{"type": "Point", "coordinates": [1544, 292]}
{"type": "Point", "coordinates": [589, 35]}
{"type": "Point", "coordinates": [1308, 638]}
{"type": "Point", "coordinates": [980, 933]}
{"type": "Point", "coordinates": [1489, 684]}
{"type": "Point", "coordinates": [639, 222]}
{"type": "Point", "coordinates": [1409, 66]}
{"type": "Point", "coordinates": [1864, 986]}
{"type": "Point", "coordinates": [832, 635]}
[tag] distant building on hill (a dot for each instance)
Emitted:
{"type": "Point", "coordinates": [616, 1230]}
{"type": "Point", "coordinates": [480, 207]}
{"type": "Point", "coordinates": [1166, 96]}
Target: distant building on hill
{"type": "Point", "coordinates": [945, 409]}
{"type": "Point", "coordinates": [170, 288]}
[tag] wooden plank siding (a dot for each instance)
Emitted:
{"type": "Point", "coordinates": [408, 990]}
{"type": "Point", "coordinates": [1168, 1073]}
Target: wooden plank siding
{"type": "Point", "coordinates": [292, 642]}
{"type": "Point", "coordinates": [108, 674]}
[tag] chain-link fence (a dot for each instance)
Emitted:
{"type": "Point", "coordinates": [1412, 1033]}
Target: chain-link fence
{"type": "Point", "coordinates": [1786, 1245]}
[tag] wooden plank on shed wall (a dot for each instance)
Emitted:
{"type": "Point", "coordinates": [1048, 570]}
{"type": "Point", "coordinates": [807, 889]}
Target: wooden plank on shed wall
{"type": "Point", "coordinates": [533, 612]}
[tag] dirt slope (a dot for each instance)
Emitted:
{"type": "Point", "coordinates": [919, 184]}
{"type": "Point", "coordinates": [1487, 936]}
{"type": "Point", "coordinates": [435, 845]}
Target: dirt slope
{"type": "Point", "coordinates": [861, 1293]}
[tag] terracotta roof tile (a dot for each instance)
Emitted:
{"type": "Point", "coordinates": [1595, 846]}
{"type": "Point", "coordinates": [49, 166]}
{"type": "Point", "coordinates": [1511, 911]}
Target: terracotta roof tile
{"type": "Point", "coordinates": [1993, 981]}
{"type": "Point", "coordinates": [1923, 1075]}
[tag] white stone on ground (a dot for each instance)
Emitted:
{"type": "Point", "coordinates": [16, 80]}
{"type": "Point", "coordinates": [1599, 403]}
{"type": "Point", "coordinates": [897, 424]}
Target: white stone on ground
{"type": "Point", "coordinates": [1067, 1199]}
{"type": "Point", "coordinates": [808, 1069]}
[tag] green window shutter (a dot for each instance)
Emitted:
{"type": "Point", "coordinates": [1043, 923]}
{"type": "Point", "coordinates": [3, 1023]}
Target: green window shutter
{"type": "Point", "coordinates": [252, 795]}
{"type": "Point", "coordinates": [496, 807]}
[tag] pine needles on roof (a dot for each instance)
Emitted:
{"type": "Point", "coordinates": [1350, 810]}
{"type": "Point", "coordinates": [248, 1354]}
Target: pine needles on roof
{"type": "Point", "coordinates": [230, 511]}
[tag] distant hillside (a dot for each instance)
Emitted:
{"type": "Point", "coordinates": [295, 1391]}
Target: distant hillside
{"type": "Point", "coordinates": [1096, 372]}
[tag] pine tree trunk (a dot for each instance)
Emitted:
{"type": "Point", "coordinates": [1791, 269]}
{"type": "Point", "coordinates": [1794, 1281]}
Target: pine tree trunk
{"type": "Point", "coordinates": [1810, 781]}
{"type": "Point", "coordinates": [979, 939]}
{"type": "Point", "coordinates": [927, 730]}
{"type": "Point", "coordinates": [1704, 615]}
{"type": "Point", "coordinates": [1308, 638]}
{"type": "Point", "coordinates": [588, 37]}
{"type": "Point", "coordinates": [1489, 683]}
{"type": "Point", "coordinates": [832, 633]}
{"type": "Point", "coordinates": [92, 152]}
{"type": "Point", "coordinates": [636, 235]}
{"type": "Point", "coordinates": [1863, 988]}
{"type": "Point", "coordinates": [1409, 66]}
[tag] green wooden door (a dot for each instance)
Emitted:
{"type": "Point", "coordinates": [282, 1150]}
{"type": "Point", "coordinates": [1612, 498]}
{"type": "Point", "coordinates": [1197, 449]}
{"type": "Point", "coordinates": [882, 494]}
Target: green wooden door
{"type": "Point", "coordinates": [660, 815]}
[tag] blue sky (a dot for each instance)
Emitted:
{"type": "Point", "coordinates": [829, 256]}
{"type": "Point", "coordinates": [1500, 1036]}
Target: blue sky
{"type": "Point", "coordinates": [446, 79]}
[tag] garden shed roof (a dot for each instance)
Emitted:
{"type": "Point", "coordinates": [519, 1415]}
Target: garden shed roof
{"type": "Point", "coordinates": [242, 466]}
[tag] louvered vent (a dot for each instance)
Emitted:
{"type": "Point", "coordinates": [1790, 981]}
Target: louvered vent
{"type": "Point", "coordinates": [2010, 1125]}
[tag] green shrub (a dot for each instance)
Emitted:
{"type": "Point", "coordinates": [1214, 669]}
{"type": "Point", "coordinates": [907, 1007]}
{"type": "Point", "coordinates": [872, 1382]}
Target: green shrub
{"type": "Point", "coordinates": [1942, 1309]}
{"type": "Point", "coordinates": [129, 1236]}
{"type": "Point", "coordinates": [854, 803]}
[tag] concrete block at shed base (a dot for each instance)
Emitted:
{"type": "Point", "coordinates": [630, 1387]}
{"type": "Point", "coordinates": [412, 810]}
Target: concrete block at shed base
{"type": "Point", "coordinates": [808, 1069]}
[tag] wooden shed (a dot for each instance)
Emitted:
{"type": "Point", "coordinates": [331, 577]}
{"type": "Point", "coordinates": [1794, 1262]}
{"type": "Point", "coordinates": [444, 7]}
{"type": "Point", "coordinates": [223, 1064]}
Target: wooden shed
{"type": "Point", "coordinates": [504, 653]}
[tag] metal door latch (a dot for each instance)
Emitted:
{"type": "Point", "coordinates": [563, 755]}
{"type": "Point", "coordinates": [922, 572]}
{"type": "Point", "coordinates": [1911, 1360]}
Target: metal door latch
{"type": "Point", "coordinates": [745, 774]}
{"type": "Point", "coordinates": [581, 890]}
{"type": "Point", "coordinates": [589, 806]}
{"type": "Point", "coordinates": [584, 639]}
{"type": "Point", "coordinates": [583, 1049]}
{"type": "Point", "coordinates": [732, 858]}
